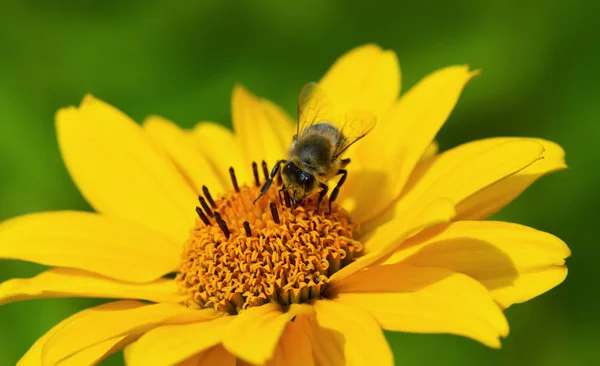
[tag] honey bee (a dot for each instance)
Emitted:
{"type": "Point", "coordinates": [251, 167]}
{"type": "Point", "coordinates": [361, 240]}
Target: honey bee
{"type": "Point", "coordinates": [315, 154]}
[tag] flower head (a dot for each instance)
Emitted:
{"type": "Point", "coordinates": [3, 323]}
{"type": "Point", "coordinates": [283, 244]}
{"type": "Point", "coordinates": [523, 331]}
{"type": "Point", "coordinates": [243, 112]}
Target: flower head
{"type": "Point", "coordinates": [404, 247]}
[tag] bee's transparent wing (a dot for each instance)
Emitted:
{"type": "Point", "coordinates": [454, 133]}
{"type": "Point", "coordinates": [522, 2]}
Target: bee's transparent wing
{"type": "Point", "coordinates": [354, 125]}
{"type": "Point", "coordinates": [313, 107]}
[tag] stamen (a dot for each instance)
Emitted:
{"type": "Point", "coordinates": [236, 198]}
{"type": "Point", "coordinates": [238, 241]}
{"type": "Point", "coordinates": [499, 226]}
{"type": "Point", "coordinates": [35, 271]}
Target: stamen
{"type": "Point", "coordinates": [234, 180]}
{"type": "Point", "coordinates": [279, 180]}
{"type": "Point", "coordinates": [208, 197]}
{"type": "Point", "coordinates": [247, 229]}
{"type": "Point", "coordinates": [205, 206]}
{"type": "Point", "coordinates": [265, 169]}
{"type": "Point", "coordinates": [202, 216]}
{"type": "Point", "coordinates": [222, 225]}
{"type": "Point", "coordinates": [287, 198]}
{"type": "Point", "coordinates": [263, 253]}
{"type": "Point", "coordinates": [255, 171]}
{"type": "Point", "coordinates": [274, 213]}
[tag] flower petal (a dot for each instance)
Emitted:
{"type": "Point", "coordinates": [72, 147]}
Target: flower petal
{"type": "Point", "coordinates": [180, 147]}
{"type": "Point", "coordinates": [366, 78]}
{"type": "Point", "coordinates": [114, 320]}
{"type": "Point", "coordinates": [284, 126]}
{"type": "Point", "coordinates": [254, 334]}
{"type": "Point", "coordinates": [255, 129]}
{"type": "Point", "coordinates": [403, 136]}
{"type": "Point", "coordinates": [462, 172]}
{"type": "Point", "coordinates": [412, 124]}
{"type": "Point", "coordinates": [425, 300]}
{"type": "Point", "coordinates": [109, 246]}
{"type": "Point", "coordinates": [119, 171]}
{"type": "Point", "coordinates": [294, 348]}
{"type": "Point", "coordinates": [515, 262]}
{"type": "Point", "coordinates": [34, 355]}
{"type": "Point", "coordinates": [364, 342]}
{"type": "Point", "coordinates": [327, 344]}
{"type": "Point", "coordinates": [171, 344]}
{"type": "Point", "coordinates": [216, 355]}
{"type": "Point", "coordinates": [389, 236]}
{"type": "Point", "coordinates": [95, 354]}
{"type": "Point", "coordinates": [219, 145]}
{"type": "Point", "coordinates": [488, 201]}
{"type": "Point", "coordinates": [67, 282]}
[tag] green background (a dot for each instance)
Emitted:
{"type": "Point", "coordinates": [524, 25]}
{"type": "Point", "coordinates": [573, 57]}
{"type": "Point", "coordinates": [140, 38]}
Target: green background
{"type": "Point", "coordinates": [539, 61]}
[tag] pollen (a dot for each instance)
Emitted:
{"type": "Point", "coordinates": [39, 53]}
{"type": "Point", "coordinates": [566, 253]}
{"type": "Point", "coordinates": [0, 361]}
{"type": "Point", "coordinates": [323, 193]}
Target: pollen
{"type": "Point", "coordinates": [241, 254]}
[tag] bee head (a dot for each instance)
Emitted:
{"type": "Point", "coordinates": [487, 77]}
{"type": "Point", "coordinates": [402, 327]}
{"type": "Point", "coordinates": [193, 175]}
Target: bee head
{"type": "Point", "coordinates": [299, 182]}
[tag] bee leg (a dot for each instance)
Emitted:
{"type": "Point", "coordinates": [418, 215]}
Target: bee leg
{"type": "Point", "coordinates": [269, 181]}
{"type": "Point", "coordinates": [345, 162]}
{"type": "Point", "coordinates": [294, 200]}
{"type": "Point", "coordinates": [281, 194]}
{"type": "Point", "coordinates": [339, 184]}
{"type": "Point", "coordinates": [324, 189]}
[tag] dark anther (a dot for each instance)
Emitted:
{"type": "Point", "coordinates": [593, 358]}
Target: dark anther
{"type": "Point", "coordinates": [255, 171]}
{"type": "Point", "coordinates": [202, 216]}
{"type": "Point", "coordinates": [247, 228]}
{"type": "Point", "coordinates": [279, 180]}
{"type": "Point", "coordinates": [287, 198]}
{"type": "Point", "coordinates": [274, 213]}
{"type": "Point", "coordinates": [265, 170]}
{"type": "Point", "coordinates": [205, 206]}
{"type": "Point", "coordinates": [222, 225]}
{"type": "Point", "coordinates": [234, 180]}
{"type": "Point", "coordinates": [208, 197]}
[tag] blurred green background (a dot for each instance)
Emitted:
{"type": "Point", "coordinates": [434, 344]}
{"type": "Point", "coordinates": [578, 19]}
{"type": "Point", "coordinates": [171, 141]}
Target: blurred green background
{"type": "Point", "coordinates": [539, 62]}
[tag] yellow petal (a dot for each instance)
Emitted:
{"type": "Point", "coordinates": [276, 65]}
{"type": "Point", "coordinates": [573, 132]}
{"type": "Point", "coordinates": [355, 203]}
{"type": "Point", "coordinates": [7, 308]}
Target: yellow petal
{"type": "Point", "coordinates": [366, 78]}
{"type": "Point", "coordinates": [462, 172]}
{"type": "Point", "coordinates": [180, 147]}
{"type": "Point", "coordinates": [112, 247]}
{"type": "Point", "coordinates": [527, 285]}
{"type": "Point", "coordinates": [364, 342]}
{"type": "Point", "coordinates": [294, 348]}
{"type": "Point", "coordinates": [33, 357]}
{"type": "Point", "coordinates": [431, 151]}
{"type": "Point", "coordinates": [389, 236]}
{"type": "Point", "coordinates": [119, 171]}
{"type": "Point", "coordinates": [284, 126]}
{"type": "Point", "coordinates": [327, 344]}
{"type": "Point", "coordinates": [66, 282]}
{"type": "Point", "coordinates": [515, 262]}
{"type": "Point", "coordinates": [97, 353]}
{"type": "Point", "coordinates": [426, 300]}
{"type": "Point", "coordinates": [255, 129]}
{"type": "Point", "coordinates": [487, 202]}
{"type": "Point", "coordinates": [254, 334]}
{"type": "Point", "coordinates": [216, 355]}
{"type": "Point", "coordinates": [403, 136]}
{"type": "Point", "coordinates": [413, 123]}
{"type": "Point", "coordinates": [95, 325]}
{"type": "Point", "coordinates": [219, 145]}
{"type": "Point", "coordinates": [171, 344]}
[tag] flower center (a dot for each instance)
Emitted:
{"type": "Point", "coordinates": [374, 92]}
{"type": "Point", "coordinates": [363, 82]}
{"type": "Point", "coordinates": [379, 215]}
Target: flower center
{"type": "Point", "coordinates": [241, 254]}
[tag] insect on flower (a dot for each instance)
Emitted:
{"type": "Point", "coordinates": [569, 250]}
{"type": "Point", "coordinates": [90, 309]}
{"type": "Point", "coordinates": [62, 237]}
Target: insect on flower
{"type": "Point", "coordinates": [405, 248]}
{"type": "Point", "coordinates": [315, 155]}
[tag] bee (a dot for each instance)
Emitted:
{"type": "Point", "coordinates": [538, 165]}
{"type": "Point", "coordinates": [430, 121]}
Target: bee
{"type": "Point", "coordinates": [315, 155]}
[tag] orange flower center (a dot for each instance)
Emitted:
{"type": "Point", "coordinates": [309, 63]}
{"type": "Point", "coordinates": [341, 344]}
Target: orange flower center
{"type": "Point", "coordinates": [241, 254]}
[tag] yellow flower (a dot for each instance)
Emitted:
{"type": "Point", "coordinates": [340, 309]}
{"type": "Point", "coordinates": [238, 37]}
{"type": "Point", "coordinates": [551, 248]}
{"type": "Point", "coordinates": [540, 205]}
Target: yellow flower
{"type": "Point", "coordinates": [268, 284]}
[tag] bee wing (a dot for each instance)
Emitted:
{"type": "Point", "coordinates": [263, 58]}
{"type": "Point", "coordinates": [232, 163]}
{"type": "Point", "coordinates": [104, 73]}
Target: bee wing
{"type": "Point", "coordinates": [354, 125]}
{"type": "Point", "coordinates": [313, 107]}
